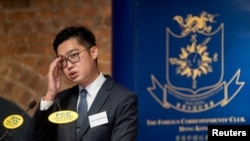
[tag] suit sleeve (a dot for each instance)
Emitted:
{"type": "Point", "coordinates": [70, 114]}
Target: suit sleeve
{"type": "Point", "coordinates": [126, 120]}
{"type": "Point", "coordinates": [40, 128]}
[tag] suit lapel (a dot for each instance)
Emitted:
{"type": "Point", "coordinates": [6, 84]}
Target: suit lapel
{"type": "Point", "coordinates": [97, 105]}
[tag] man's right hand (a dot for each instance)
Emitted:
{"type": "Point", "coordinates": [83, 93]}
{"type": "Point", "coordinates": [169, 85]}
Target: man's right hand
{"type": "Point", "coordinates": [54, 80]}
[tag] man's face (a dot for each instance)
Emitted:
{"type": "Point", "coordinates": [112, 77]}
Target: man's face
{"type": "Point", "coordinates": [78, 61]}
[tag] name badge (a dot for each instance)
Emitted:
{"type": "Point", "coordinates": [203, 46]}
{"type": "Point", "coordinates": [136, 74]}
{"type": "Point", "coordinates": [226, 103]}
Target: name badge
{"type": "Point", "coordinates": [98, 119]}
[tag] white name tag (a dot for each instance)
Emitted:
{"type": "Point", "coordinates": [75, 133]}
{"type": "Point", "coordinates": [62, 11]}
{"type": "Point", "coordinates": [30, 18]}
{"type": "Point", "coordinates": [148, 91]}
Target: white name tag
{"type": "Point", "coordinates": [98, 119]}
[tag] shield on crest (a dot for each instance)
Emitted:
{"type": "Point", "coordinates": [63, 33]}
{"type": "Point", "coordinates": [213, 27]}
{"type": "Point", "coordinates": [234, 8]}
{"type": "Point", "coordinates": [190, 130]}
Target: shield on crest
{"type": "Point", "coordinates": [194, 61]}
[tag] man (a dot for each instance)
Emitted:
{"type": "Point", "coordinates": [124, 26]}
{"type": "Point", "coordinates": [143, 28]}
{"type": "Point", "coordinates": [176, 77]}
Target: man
{"type": "Point", "coordinates": [77, 59]}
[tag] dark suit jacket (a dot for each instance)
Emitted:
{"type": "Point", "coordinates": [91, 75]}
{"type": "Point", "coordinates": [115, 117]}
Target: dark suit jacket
{"type": "Point", "coordinates": [120, 104]}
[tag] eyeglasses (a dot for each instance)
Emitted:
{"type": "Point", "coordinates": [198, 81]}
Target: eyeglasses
{"type": "Point", "coordinates": [72, 58]}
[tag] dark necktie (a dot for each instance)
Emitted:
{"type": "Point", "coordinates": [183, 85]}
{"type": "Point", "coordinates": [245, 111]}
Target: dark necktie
{"type": "Point", "coordinates": [82, 109]}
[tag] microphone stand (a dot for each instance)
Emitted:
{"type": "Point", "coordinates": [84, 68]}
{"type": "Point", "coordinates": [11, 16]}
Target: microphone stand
{"type": "Point", "coordinates": [31, 105]}
{"type": "Point", "coordinates": [57, 103]}
{"type": "Point", "coordinates": [4, 134]}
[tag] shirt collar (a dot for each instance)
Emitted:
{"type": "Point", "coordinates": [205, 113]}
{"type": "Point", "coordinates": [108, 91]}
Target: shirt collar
{"type": "Point", "coordinates": [94, 87]}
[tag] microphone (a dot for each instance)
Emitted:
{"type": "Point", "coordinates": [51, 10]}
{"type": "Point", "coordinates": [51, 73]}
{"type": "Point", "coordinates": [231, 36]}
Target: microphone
{"type": "Point", "coordinates": [31, 105]}
{"type": "Point", "coordinates": [57, 103]}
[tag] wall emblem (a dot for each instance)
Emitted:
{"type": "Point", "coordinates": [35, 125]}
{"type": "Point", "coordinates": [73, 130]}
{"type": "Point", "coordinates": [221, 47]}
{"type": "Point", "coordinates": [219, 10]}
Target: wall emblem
{"type": "Point", "coordinates": [195, 67]}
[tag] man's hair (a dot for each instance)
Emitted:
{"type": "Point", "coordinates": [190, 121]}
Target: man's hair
{"type": "Point", "coordinates": [82, 34]}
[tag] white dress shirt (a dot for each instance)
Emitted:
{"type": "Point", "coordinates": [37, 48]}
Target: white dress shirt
{"type": "Point", "coordinates": [92, 90]}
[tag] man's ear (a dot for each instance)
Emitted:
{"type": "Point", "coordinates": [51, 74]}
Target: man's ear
{"type": "Point", "coordinates": [94, 52]}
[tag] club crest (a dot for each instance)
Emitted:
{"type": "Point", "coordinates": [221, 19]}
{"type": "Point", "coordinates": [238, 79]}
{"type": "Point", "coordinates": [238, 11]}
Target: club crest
{"type": "Point", "coordinates": [195, 67]}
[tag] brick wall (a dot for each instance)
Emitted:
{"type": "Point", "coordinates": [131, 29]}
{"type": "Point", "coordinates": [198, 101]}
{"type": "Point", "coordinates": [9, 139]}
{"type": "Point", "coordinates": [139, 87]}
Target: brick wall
{"type": "Point", "coordinates": [27, 30]}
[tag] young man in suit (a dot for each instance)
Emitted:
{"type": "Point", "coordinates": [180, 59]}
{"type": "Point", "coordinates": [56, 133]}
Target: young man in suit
{"type": "Point", "coordinates": [115, 105]}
